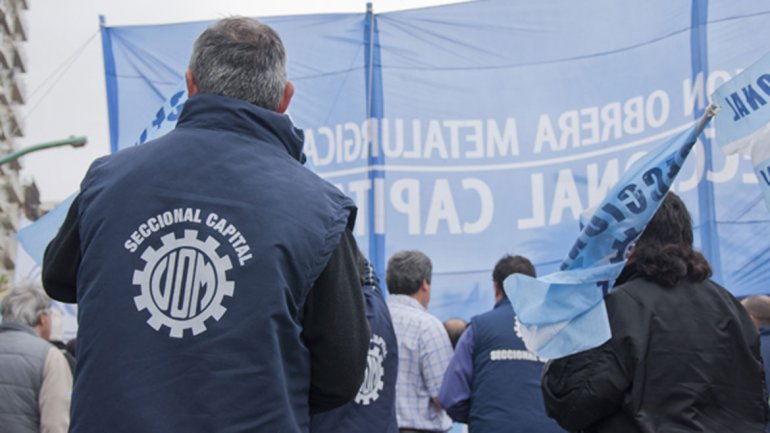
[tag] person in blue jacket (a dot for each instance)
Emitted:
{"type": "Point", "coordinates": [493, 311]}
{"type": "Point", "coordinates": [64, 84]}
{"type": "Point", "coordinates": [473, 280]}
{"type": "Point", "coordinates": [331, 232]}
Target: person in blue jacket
{"type": "Point", "coordinates": [374, 407]}
{"type": "Point", "coordinates": [215, 276]}
{"type": "Point", "coordinates": [493, 381]}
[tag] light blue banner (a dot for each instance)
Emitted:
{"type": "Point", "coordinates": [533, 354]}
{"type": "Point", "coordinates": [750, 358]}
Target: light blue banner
{"type": "Point", "coordinates": [744, 108]}
{"type": "Point", "coordinates": [743, 124]}
{"type": "Point", "coordinates": [564, 313]}
{"type": "Point", "coordinates": [762, 169]}
{"type": "Point", "coordinates": [35, 237]}
{"type": "Point", "coordinates": [477, 129]}
{"type": "Point", "coordinates": [167, 115]}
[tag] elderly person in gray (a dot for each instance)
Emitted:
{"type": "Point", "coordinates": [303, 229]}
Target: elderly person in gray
{"type": "Point", "coordinates": [35, 379]}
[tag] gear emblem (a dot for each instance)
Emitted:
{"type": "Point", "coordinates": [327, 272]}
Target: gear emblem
{"type": "Point", "coordinates": [183, 283]}
{"type": "Point", "coordinates": [517, 327]}
{"type": "Point", "coordinates": [375, 370]}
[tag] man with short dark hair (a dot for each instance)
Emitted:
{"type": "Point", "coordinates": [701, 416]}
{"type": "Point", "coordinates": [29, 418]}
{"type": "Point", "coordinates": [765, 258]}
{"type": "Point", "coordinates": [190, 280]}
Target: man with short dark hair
{"type": "Point", "coordinates": [216, 277]}
{"type": "Point", "coordinates": [424, 350]}
{"type": "Point", "coordinates": [493, 382]}
{"type": "Point", "coordinates": [35, 379]}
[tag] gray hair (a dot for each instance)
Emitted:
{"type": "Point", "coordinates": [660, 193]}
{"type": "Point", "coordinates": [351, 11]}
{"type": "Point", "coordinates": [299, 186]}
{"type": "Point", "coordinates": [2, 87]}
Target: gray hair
{"type": "Point", "coordinates": [243, 59]}
{"type": "Point", "coordinates": [24, 304]}
{"type": "Point", "coordinates": [406, 272]}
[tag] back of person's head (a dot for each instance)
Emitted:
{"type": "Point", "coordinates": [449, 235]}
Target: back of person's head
{"type": "Point", "coordinates": [511, 265]}
{"type": "Point", "coordinates": [758, 307]}
{"type": "Point", "coordinates": [406, 272]}
{"type": "Point", "coordinates": [24, 304]}
{"type": "Point", "coordinates": [455, 328]}
{"type": "Point", "coordinates": [664, 252]}
{"type": "Point", "coordinates": [243, 59]}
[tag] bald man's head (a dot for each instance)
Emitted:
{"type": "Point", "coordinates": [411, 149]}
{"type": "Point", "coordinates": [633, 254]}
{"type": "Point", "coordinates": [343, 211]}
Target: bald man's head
{"type": "Point", "coordinates": [455, 329]}
{"type": "Point", "coordinates": [758, 307]}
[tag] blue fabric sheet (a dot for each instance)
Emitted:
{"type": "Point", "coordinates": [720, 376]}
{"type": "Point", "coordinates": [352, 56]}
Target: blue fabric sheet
{"type": "Point", "coordinates": [496, 123]}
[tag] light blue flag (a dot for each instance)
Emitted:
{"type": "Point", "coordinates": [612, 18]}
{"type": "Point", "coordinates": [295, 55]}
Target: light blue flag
{"type": "Point", "coordinates": [167, 115]}
{"type": "Point", "coordinates": [35, 237]}
{"type": "Point", "coordinates": [743, 122]}
{"type": "Point", "coordinates": [564, 313]}
{"type": "Point", "coordinates": [762, 170]}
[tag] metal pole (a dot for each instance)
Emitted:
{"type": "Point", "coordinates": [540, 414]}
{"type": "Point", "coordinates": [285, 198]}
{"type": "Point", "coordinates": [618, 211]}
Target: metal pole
{"type": "Point", "coordinates": [72, 141]}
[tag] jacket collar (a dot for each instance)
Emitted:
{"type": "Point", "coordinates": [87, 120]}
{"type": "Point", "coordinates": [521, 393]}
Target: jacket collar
{"type": "Point", "coordinates": [503, 302]}
{"type": "Point", "coordinates": [406, 300]}
{"type": "Point", "coordinates": [209, 111]}
{"type": "Point", "coordinates": [17, 326]}
{"type": "Point", "coordinates": [628, 273]}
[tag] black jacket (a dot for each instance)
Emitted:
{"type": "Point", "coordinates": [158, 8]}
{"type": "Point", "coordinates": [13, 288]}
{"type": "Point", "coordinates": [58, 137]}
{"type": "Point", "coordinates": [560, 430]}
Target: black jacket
{"type": "Point", "coordinates": [681, 359]}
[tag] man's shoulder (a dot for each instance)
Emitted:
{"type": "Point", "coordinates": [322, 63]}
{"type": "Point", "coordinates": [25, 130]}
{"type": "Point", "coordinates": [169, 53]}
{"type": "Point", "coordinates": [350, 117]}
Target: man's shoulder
{"type": "Point", "coordinates": [56, 360]}
{"type": "Point", "coordinates": [400, 306]}
{"type": "Point", "coordinates": [430, 326]}
{"type": "Point", "coordinates": [123, 160]}
{"type": "Point", "coordinates": [431, 320]}
{"type": "Point", "coordinates": [489, 314]}
{"type": "Point", "coordinates": [396, 301]}
{"type": "Point", "coordinates": [22, 341]}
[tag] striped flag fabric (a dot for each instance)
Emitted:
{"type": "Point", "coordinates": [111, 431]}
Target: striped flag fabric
{"type": "Point", "coordinates": [564, 313]}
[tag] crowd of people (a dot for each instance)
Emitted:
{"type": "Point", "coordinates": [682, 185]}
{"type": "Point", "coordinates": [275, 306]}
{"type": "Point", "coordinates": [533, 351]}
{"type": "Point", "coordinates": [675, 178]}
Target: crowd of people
{"type": "Point", "coordinates": [220, 289]}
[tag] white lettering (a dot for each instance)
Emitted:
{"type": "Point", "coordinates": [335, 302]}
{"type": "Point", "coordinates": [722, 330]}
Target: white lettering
{"type": "Point", "coordinates": [565, 197]}
{"type": "Point", "coordinates": [590, 125]}
{"type": "Point", "coordinates": [538, 205]}
{"type": "Point", "coordinates": [486, 206]}
{"type": "Point", "coordinates": [409, 205]}
{"type": "Point", "coordinates": [442, 207]}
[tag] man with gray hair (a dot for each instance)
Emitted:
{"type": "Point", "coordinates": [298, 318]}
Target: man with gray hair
{"type": "Point", "coordinates": [35, 379]}
{"type": "Point", "coordinates": [216, 277]}
{"type": "Point", "coordinates": [424, 350]}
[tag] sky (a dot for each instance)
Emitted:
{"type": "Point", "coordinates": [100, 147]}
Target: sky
{"type": "Point", "coordinates": [65, 72]}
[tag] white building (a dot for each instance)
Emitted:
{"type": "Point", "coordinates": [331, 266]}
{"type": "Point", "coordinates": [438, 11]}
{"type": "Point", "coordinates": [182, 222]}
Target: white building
{"type": "Point", "coordinates": [13, 63]}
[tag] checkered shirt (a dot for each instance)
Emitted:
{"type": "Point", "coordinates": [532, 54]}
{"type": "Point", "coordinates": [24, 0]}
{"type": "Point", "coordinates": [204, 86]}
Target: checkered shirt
{"type": "Point", "coordinates": [424, 352]}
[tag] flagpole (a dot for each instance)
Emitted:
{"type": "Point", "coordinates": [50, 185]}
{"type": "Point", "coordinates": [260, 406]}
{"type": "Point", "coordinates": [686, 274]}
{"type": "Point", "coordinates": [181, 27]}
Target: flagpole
{"type": "Point", "coordinates": [710, 112]}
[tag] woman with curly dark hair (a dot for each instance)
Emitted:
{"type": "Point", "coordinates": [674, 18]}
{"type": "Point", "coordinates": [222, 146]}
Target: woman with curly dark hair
{"type": "Point", "coordinates": [664, 252]}
{"type": "Point", "coordinates": [683, 357]}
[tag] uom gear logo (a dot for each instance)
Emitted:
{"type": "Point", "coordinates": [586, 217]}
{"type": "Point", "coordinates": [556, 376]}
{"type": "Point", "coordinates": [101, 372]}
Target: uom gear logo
{"type": "Point", "coordinates": [183, 283]}
{"type": "Point", "coordinates": [375, 371]}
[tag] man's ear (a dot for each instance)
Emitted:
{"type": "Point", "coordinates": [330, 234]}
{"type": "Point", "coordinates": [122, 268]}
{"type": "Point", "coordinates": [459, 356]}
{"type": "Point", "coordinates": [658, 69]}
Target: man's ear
{"type": "Point", "coordinates": [192, 86]}
{"type": "Point", "coordinates": [44, 325]}
{"type": "Point", "coordinates": [288, 92]}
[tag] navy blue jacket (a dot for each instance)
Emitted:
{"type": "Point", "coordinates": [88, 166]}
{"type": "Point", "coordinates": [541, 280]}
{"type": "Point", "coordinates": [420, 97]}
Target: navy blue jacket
{"type": "Point", "coordinates": [374, 408]}
{"type": "Point", "coordinates": [505, 394]}
{"type": "Point", "coordinates": [198, 252]}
